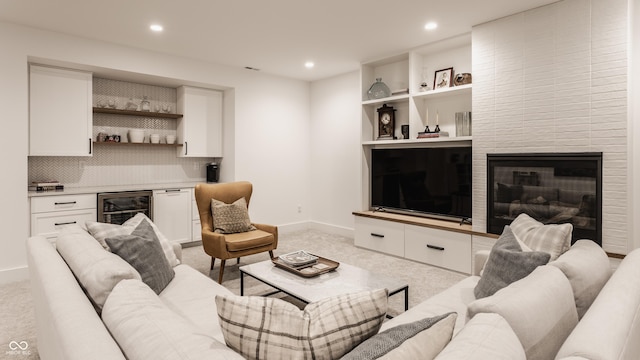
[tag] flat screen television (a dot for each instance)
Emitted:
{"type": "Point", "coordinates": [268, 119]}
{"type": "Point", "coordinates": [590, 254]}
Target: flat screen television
{"type": "Point", "coordinates": [432, 182]}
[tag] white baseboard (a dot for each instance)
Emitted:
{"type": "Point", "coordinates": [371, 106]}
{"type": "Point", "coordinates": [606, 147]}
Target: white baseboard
{"type": "Point", "coordinates": [305, 225]}
{"type": "Point", "coordinates": [13, 275]}
{"type": "Point", "coordinates": [332, 229]}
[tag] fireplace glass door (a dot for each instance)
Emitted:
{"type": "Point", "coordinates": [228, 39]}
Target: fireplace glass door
{"type": "Point", "coordinates": [551, 188]}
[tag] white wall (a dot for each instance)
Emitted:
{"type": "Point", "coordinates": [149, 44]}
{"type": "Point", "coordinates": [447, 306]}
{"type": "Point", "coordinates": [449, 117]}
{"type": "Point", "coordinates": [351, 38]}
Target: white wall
{"type": "Point", "coordinates": [634, 117]}
{"type": "Point", "coordinates": [554, 79]}
{"type": "Point", "coordinates": [335, 152]}
{"type": "Point", "coordinates": [271, 129]}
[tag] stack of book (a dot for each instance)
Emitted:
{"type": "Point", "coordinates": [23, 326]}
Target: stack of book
{"type": "Point", "coordinates": [46, 185]}
{"type": "Point", "coordinates": [425, 135]}
{"type": "Point", "coordinates": [298, 259]}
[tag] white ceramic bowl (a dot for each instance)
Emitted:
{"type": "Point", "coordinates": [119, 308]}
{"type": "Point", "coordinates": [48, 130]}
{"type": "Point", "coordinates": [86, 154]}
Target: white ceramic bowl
{"type": "Point", "coordinates": [136, 135]}
{"type": "Point", "coordinates": [171, 139]}
{"type": "Point", "coordinates": [154, 138]}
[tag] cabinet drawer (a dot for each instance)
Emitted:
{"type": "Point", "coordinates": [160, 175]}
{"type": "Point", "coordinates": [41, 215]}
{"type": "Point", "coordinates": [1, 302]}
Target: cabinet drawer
{"type": "Point", "coordinates": [447, 249]}
{"type": "Point", "coordinates": [41, 204]}
{"type": "Point", "coordinates": [380, 235]}
{"type": "Point", "coordinates": [48, 224]}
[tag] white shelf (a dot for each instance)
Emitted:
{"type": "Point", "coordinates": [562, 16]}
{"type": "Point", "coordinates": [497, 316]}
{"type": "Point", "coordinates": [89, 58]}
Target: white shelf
{"type": "Point", "coordinates": [444, 139]}
{"type": "Point", "coordinates": [450, 91]}
{"type": "Point", "coordinates": [387, 100]}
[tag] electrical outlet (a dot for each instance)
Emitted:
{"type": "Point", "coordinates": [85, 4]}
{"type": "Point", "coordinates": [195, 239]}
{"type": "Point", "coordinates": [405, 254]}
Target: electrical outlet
{"type": "Point", "coordinates": [82, 164]}
{"type": "Point", "coordinates": [299, 209]}
{"type": "Point", "coordinates": [196, 166]}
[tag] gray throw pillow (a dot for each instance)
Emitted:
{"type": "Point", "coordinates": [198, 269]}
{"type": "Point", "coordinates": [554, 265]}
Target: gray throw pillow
{"type": "Point", "coordinates": [143, 251]}
{"type": "Point", "coordinates": [507, 263]}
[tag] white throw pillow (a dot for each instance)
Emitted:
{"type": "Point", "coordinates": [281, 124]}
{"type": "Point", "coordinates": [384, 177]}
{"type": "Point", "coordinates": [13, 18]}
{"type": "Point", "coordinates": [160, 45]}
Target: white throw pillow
{"type": "Point", "coordinates": [101, 231]}
{"type": "Point", "coordinates": [269, 328]}
{"type": "Point", "coordinates": [97, 270]}
{"type": "Point", "coordinates": [422, 339]}
{"type": "Point", "coordinates": [146, 329]}
{"type": "Point", "coordinates": [554, 239]}
{"type": "Point", "coordinates": [539, 308]}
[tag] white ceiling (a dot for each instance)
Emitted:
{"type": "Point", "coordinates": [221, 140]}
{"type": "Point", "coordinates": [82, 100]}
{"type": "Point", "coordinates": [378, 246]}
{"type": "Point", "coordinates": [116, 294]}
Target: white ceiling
{"type": "Point", "coordinates": [275, 36]}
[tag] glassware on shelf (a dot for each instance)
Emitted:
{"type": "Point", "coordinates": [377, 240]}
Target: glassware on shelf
{"type": "Point", "coordinates": [378, 90]}
{"type": "Point", "coordinates": [130, 105]}
{"type": "Point", "coordinates": [145, 105]}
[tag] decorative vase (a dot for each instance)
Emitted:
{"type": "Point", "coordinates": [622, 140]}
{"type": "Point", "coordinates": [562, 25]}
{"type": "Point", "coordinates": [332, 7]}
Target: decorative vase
{"type": "Point", "coordinates": [378, 90]}
{"type": "Point", "coordinates": [145, 105]}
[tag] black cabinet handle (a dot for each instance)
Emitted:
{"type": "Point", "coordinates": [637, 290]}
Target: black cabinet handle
{"type": "Point", "coordinates": [186, 148]}
{"type": "Point", "coordinates": [377, 235]}
{"type": "Point", "coordinates": [64, 203]}
{"type": "Point", "coordinates": [172, 190]}
{"type": "Point", "coordinates": [90, 145]}
{"type": "Point", "coordinates": [439, 248]}
{"type": "Point", "coordinates": [65, 223]}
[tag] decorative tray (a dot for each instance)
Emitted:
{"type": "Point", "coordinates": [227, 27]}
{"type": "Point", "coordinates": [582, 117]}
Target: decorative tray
{"type": "Point", "coordinates": [322, 266]}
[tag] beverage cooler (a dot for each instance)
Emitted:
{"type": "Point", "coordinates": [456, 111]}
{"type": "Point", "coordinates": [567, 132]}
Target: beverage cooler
{"type": "Point", "coordinates": [118, 207]}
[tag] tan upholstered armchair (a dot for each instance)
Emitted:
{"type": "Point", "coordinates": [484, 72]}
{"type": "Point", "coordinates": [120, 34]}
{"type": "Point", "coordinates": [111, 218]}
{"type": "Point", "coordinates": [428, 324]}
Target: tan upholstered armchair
{"type": "Point", "coordinates": [229, 246]}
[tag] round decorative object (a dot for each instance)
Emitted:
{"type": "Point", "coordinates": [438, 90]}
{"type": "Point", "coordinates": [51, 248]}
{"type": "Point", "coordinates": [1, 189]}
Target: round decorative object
{"type": "Point", "coordinates": [462, 79]}
{"type": "Point", "coordinates": [136, 135]}
{"type": "Point", "coordinates": [378, 90]}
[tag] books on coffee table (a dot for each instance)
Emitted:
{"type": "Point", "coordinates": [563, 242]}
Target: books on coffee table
{"type": "Point", "coordinates": [298, 258]}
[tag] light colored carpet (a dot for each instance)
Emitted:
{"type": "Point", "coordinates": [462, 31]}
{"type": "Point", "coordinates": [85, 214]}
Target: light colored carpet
{"type": "Point", "coordinates": [17, 321]}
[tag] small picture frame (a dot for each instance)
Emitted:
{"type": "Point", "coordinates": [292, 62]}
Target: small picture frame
{"type": "Point", "coordinates": [443, 78]}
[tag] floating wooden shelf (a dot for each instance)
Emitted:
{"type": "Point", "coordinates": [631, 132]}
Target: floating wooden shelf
{"type": "Point", "coordinates": [136, 113]}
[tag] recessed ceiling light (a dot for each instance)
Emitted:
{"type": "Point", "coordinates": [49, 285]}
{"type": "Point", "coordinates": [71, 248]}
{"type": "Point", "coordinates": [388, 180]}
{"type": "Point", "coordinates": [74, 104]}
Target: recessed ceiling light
{"type": "Point", "coordinates": [431, 26]}
{"type": "Point", "coordinates": [156, 27]}
{"type": "Point", "coordinates": [309, 64]}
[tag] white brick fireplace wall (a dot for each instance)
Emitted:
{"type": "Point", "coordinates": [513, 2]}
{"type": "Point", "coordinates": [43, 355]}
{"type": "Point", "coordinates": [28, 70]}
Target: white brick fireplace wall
{"type": "Point", "coordinates": [554, 79]}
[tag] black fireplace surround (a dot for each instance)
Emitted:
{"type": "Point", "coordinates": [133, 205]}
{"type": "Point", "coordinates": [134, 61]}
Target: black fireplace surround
{"type": "Point", "coordinates": [553, 188]}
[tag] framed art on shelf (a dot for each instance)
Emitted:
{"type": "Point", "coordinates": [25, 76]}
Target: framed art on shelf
{"type": "Point", "coordinates": [443, 78]}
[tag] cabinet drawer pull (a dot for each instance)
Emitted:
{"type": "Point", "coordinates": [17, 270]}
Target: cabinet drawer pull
{"type": "Point", "coordinates": [439, 248]}
{"type": "Point", "coordinates": [65, 223]}
{"type": "Point", "coordinates": [377, 235]}
{"type": "Point", "coordinates": [64, 203]}
{"type": "Point", "coordinates": [172, 190]}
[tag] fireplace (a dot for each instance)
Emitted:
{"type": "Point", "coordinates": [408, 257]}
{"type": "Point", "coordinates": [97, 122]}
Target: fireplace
{"type": "Point", "coordinates": [551, 188]}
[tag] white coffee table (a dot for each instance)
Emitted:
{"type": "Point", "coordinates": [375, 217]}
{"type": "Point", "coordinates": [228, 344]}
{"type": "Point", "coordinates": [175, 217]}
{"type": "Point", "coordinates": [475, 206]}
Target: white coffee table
{"type": "Point", "coordinates": [345, 279]}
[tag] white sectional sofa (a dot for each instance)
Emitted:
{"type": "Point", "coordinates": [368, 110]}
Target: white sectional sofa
{"type": "Point", "coordinates": [70, 328]}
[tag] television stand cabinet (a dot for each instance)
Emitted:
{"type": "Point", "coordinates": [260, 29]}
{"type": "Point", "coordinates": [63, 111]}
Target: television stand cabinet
{"type": "Point", "coordinates": [435, 242]}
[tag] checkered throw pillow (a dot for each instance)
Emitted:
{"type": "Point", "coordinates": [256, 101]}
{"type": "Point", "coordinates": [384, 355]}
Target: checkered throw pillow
{"type": "Point", "coordinates": [270, 328]}
{"type": "Point", "coordinates": [554, 239]}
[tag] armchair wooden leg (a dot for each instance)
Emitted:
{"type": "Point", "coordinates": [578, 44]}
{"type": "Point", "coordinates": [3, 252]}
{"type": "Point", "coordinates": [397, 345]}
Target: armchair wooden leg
{"type": "Point", "coordinates": [237, 260]}
{"type": "Point", "coordinates": [222, 261]}
{"type": "Point", "coordinates": [213, 261]}
{"type": "Point", "coordinates": [271, 253]}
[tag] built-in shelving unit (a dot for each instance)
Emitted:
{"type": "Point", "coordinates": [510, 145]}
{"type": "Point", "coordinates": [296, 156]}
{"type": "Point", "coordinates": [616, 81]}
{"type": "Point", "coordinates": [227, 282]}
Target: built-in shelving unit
{"type": "Point", "coordinates": [113, 143]}
{"type": "Point", "coordinates": [462, 140]}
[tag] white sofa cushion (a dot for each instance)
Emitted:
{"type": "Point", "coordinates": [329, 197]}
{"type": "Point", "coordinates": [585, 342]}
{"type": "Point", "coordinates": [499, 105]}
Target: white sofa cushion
{"type": "Point", "coordinates": [97, 270]}
{"type": "Point", "coordinates": [422, 339]}
{"type": "Point", "coordinates": [587, 267]}
{"type": "Point", "coordinates": [551, 238]}
{"type": "Point", "coordinates": [269, 328]}
{"type": "Point", "coordinates": [610, 329]}
{"type": "Point", "coordinates": [486, 336]}
{"type": "Point", "coordinates": [539, 308]}
{"type": "Point", "coordinates": [146, 329]}
{"type": "Point", "coordinates": [101, 231]}
{"type": "Point", "coordinates": [192, 295]}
